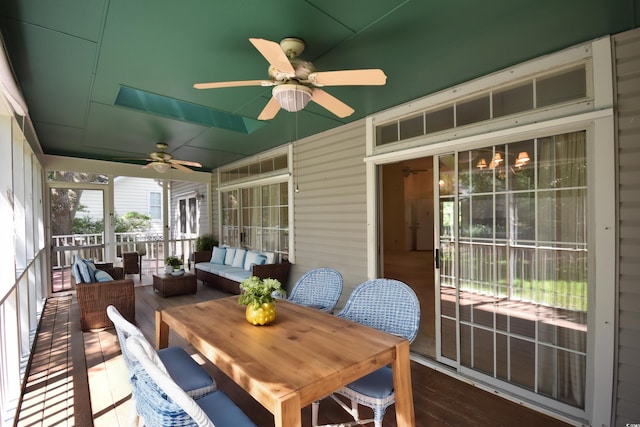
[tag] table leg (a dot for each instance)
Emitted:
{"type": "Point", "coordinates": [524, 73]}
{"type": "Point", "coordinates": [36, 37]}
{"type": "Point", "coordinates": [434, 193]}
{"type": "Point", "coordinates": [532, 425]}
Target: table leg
{"type": "Point", "coordinates": [288, 412]}
{"type": "Point", "coordinates": [162, 332]}
{"type": "Point", "coordinates": [405, 416]}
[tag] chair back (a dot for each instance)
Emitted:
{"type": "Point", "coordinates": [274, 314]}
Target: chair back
{"type": "Point", "coordinates": [159, 400]}
{"type": "Point", "coordinates": [385, 304]}
{"type": "Point", "coordinates": [319, 288]}
{"type": "Point", "coordinates": [124, 329]}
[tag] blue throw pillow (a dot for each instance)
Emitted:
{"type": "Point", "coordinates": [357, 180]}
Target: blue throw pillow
{"type": "Point", "coordinates": [92, 269]}
{"type": "Point", "coordinates": [217, 257]}
{"type": "Point", "coordinates": [83, 271]}
{"type": "Point", "coordinates": [76, 269]}
{"type": "Point", "coordinates": [260, 259]}
{"type": "Point", "coordinates": [103, 276]}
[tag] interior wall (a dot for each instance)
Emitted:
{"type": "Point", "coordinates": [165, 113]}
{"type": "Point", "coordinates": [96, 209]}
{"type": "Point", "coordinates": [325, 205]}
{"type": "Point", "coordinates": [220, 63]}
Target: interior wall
{"type": "Point", "coordinates": [393, 215]}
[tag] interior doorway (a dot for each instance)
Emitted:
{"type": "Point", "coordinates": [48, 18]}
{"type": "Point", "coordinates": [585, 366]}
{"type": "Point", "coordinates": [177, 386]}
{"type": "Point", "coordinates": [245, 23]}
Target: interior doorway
{"type": "Point", "coordinates": [407, 238]}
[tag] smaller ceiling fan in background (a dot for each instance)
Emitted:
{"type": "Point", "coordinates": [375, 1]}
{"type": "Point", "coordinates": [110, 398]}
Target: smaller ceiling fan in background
{"type": "Point", "coordinates": [161, 161]}
{"type": "Point", "coordinates": [296, 82]}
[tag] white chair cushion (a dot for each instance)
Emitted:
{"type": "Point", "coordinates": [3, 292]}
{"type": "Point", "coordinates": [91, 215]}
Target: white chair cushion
{"type": "Point", "coordinates": [238, 259]}
{"type": "Point", "coordinates": [231, 253]}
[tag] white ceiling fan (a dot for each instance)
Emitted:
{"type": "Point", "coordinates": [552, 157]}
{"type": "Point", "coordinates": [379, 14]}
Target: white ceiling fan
{"type": "Point", "coordinates": [296, 82]}
{"type": "Point", "coordinates": [161, 161]}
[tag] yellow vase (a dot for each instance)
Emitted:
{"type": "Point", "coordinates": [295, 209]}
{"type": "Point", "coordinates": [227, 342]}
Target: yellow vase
{"type": "Point", "coordinates": [263, 315]}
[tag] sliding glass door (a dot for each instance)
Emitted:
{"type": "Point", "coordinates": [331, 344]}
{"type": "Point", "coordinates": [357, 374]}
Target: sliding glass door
{"type": "Point", "coordinates": [512, 264]}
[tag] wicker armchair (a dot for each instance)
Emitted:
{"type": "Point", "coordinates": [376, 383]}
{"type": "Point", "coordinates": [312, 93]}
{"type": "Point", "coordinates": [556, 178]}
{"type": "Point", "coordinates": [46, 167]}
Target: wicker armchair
{"type": "Point", "coordinates": [94, 298]}
{"type": "Point", "coordinates": [131, 262]}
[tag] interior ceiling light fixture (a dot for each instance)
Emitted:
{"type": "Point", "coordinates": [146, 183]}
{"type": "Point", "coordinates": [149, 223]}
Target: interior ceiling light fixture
{"type": "Point", "coordinates": [523, 159]}
{"type": "Point", "coordinates": [292, 97]}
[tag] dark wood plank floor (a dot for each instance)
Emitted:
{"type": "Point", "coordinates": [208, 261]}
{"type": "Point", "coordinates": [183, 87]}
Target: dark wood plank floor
{"type": "Point", "coordinates": [95, 391]}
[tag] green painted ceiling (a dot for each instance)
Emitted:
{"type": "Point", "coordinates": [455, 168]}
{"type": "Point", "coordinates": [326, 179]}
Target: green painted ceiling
{"type": "Point", "coordinates": [72, 57]}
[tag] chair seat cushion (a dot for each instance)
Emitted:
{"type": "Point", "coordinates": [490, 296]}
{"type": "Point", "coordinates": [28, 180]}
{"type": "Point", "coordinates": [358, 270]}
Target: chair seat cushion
{"type": "Point", "coordinates": [378, 384]}
{"type": "Point", "coordinates": [186, 372]}
{"type": "Point", "coordinates": [222, 411]}
{"type": "Point", "coordinates": [235, 274]}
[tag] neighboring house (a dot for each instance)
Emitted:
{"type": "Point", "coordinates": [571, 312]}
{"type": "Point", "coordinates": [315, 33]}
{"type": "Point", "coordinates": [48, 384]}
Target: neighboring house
{"type": "Point", "coordinates": [141, 195]}
{"type": "Point", "coordinates": [188, 215]}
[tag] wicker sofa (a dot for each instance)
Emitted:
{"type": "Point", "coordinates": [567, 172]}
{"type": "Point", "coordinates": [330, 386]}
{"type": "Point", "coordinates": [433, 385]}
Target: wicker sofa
{"type": "Point", "coordinates": [202, 260]}
{"type": "Point", "coordinates": [94, 298]}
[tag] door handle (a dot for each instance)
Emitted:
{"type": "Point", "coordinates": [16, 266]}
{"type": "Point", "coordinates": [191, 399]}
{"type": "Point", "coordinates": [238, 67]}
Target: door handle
{"type": "Point", "coordinates": [436, 256]}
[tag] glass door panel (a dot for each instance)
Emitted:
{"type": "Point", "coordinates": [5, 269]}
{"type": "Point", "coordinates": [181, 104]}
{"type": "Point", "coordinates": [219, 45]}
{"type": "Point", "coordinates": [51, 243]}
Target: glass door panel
{"type": "Point", "coordinates": [513, 265]}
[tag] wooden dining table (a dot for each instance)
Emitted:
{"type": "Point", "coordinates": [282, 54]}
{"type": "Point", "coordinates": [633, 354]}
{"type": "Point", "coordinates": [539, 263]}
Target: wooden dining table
{"type": "Point", "coordinates": [303, 356]}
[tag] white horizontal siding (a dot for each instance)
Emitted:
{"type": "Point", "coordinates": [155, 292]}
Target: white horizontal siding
{"type": "Point", "coordinates": [330, 211]}
{"type": "Point", "coordinates": [627, 59]}
{"type": "Point", "coordinates": [182, 190]}
{"type": "Point", "coordinates": [214, 222]}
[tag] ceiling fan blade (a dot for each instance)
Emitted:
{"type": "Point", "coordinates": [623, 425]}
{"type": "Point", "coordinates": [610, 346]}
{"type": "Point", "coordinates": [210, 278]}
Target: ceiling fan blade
{"type": "Point", "coordinates": [185, 162]}
{"type": "Point", "coordinates": [369, 77]}
{"type": "Point", "coordinates": [331, 103]}
{"type": "Point", "coordinates": [216, 85]}
{"type": "Point", "coordinates": [180, 167]}
{"type": "Point", "coordinates": [270, 110]}
{"type": "Point", "coordinates": [274, 54]}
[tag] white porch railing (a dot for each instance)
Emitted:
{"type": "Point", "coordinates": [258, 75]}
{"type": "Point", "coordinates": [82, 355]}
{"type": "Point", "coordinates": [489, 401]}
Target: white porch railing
{"type": "Point", "coordinates": [151, 247]}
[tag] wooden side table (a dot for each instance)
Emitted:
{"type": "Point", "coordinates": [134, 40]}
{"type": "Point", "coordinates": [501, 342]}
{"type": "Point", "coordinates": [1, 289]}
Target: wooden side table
{"type": "Point", "coordinates": [169, 285]}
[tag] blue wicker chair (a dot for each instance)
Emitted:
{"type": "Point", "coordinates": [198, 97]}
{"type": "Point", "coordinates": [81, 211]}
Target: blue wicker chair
{"type": "Point", "coordinates": [390, 306]}
{"type": "Point", "coordinates": [185, 371]}
{"type": "Point", "coordinates": [319, 288]}
{"type": "Point", "coordinates": [161, 402]}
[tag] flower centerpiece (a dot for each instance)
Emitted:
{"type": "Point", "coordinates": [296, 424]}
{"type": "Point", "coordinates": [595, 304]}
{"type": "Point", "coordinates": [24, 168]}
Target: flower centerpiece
{"type": "Point", "coordinates": [173, 263]}
{"type": "Point", "coordinates": [257, 295]}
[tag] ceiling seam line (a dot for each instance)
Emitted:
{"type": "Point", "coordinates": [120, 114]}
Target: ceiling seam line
{"type": "Point", "coordinates": [95, 66]}
{"type": "Point", "coordinates": [354, 33]}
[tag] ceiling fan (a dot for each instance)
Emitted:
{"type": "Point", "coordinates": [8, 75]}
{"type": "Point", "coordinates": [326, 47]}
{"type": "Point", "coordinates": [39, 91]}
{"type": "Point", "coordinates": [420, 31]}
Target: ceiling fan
{"type": "Point", "coordinates": [161, 161]}
{"type": "Point", "coordinates": [296, 82]}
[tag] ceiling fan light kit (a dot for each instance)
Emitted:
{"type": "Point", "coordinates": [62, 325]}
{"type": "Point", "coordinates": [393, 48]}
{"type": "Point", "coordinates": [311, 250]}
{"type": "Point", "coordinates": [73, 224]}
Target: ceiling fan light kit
{"type": "Point", "coordinates": [292, 97]}
{"type": "Point", "coordinates": [161, 167]}
{"type": "Point", "coordinates": [296, 82]}
{"type": "Point", "coordinates": [162, 162]}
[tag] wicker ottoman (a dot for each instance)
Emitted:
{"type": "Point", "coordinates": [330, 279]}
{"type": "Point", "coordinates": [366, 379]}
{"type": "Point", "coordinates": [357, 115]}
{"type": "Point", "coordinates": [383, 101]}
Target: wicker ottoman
{"type": "Point", "coordinates": [169, 285]}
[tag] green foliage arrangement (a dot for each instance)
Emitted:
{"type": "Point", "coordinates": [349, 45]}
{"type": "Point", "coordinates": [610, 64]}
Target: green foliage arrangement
{"type": "Point", "coordinates": [256, 291]}
{"type": "Point", "coordinates": [206, 242]}
{"type": "Point", "coordinates": [174, 261]}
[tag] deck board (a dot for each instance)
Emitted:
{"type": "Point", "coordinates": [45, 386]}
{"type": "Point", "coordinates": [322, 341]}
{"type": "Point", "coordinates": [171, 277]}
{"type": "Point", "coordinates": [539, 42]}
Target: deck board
{"type": "Point", "coordinates": [79, 379]}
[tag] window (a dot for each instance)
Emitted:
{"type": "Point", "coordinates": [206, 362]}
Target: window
{"type": "Point", "coordinates": [188, 214]}
{"type": "Point", "coordinates": [257, 217]}
{"type": "Point", "coordinates": [155, 205]}
{"type": "Point", "coordinates": [567, 85]}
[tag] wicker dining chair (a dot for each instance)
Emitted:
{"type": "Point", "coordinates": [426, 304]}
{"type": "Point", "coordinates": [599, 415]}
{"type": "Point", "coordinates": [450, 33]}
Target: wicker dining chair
{"type": "Point", "coordinates": [180, 366]}
{"type": "Point", "coordinates": [319, 288]}
{"type": "Point", "coordinates": [161, 402]}
{"type": "Point", "coordinates": [390, 306]}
